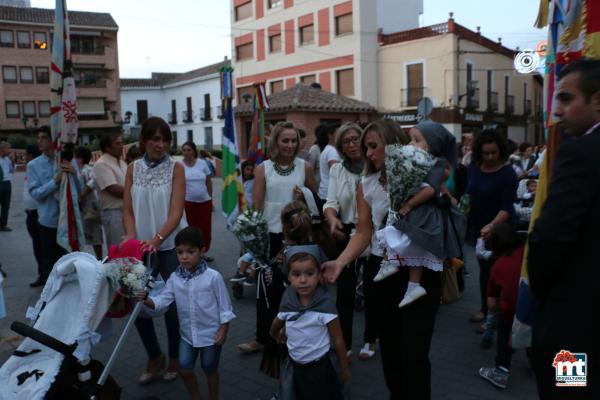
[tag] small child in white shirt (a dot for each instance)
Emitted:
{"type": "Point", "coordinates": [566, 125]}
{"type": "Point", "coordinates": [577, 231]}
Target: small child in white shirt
{"type": "Point", "coordinates": [309, 315]}
{"type": "Point", "coordinates": [203, 309]}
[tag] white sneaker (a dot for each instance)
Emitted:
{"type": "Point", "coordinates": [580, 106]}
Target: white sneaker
{"type": "Point", "coordinates": [385, 270]}
{"type": "Point", "coordinates": [412, 294]}
{"type": "Point", "coordinates": [367, 351]}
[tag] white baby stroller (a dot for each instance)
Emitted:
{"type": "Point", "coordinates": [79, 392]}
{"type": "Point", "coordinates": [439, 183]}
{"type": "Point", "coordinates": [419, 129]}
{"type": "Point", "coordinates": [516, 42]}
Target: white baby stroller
{"type": "Point", "coordinates": [54, 360]}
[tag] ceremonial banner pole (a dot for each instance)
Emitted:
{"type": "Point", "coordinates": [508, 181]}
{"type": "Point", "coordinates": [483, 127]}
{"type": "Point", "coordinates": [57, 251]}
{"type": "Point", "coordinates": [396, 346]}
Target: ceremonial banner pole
{"type": "Point", "coordinates": [573, 32]}
{"type": "Point", "coordinates": [256, 150]}
{"type": "Point", "coordinates": [64, 125]}
{"type": "Point", "coordinates": [232, 199]}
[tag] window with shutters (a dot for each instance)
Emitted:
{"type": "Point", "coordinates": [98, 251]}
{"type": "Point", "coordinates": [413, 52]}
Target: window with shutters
{"type": "Point", "coordinates": [343, 24]}
{"type": "Point", "coordinates": [190, 135]}
{"type": "Point", "coordinates": [307, 34]}
{"type": "Point", "coordinates": [44, 108]}
{"type": "Point", "coordinates": [274, 3]}
{"type": "Point", "coordinates": [207, 108]}
{"type": "Point", "coordinates": [7, 39]}
{"type": "Point", "coordinates": [244, 51]}
{"type": "Point", "coordinates": [142, 111]}
{"type": "Point", "coordinates": [173, 113]}
{"type": "Point", "coordinates": [29, 109]}
{"type": "Point", "coordinates": [345, 82]}
{"type": "Point", "coordinates": [12, 109]}
{"type": "Point", "coordinates": [188, 114]}
{"type": "Point", "coordinates": [9, 74]}
{"type": "Point", "coordinates": [276, 87]}
{"type": "Point", "coordinates": [414, 82]}
{"type": "Point", "coordinates": [42, 74]}
{"type": "Point", "coordinates": [275, 43]}
{"type": "Point", "coordinates": [23, 40]}
{"type": "Point", "coordinates": [26, 74]}
{"type": "Point", "coordinates": [243, 11]}
{"type": "Point", "coordinates": [208, 137]}
{"type": "Point", "coordinates": [308, 79]}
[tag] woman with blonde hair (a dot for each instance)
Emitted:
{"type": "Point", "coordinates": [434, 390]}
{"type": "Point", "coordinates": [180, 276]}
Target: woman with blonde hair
{"type": "Point", "coordinates": [404, 333]}
{"type": "Point", "coordinates": [276, 182]}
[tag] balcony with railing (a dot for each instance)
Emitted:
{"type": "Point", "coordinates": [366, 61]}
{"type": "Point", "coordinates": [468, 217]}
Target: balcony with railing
{"type": "Point", "coordinates": [205, 114]}
{"type": "Point", "coordinates": [187, 116]}
{"type": "Point", "coordinates": [220, 114]}
{"type": "Point", "coordinates": [410, 97]}
{"type": "Point", "coordinates": [492, 101]}
{"type": "Point", "coordinates": [473, 96]}
{"type": "Point", "coordinates": [172, 118]}
{"type": "Point", "coordinates": [509, 104]}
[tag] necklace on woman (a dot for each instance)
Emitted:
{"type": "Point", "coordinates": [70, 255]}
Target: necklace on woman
{"type": "Point", "coordinates": [284, 171]}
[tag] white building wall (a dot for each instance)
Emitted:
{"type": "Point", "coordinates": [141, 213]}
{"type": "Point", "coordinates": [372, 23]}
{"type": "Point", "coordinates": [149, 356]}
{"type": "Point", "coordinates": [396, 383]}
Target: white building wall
{"type": "Point", "coordinates": [159, 105]}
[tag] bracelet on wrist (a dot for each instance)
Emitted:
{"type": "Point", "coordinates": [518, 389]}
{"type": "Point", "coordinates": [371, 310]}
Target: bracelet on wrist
{"type": "Point", "coordinates": [159, 236]}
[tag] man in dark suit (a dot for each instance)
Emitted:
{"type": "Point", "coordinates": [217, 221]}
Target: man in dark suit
{"type": "Point", "coordinates": [564, 246]}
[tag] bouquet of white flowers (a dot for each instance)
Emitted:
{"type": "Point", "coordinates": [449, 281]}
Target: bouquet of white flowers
{"type": "Point", "coordinates": [128, 275]}
{"type": "Point", "coordinates": [252, 231]}
{"type": "Point", "coordinates": [406, 168]}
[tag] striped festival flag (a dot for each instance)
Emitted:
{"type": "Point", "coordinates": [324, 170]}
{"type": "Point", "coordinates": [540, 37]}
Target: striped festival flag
{"type": "Point", "coordinates": [256, 150]}
{"type": "Point", "coordinates": [573, 32]}
{"type": "Point", "coordinates": [64, 124]}
{"type": "Point", "coordinates": [232, 200]}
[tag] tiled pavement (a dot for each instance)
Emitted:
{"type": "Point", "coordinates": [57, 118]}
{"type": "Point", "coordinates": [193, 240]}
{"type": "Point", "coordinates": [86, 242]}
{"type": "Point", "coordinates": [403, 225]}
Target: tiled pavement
{"type": "Point", "coordinates": [455, 353]}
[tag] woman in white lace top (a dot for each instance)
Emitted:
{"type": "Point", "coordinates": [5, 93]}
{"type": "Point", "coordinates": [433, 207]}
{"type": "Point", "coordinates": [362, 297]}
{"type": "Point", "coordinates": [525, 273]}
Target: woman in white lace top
{"type": "Point", "coordinates": [153, 203]}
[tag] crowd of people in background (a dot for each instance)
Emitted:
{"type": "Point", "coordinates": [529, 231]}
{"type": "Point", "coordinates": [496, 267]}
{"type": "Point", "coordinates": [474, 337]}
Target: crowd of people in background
{"type": "Point", "coordinates": [327, 201]}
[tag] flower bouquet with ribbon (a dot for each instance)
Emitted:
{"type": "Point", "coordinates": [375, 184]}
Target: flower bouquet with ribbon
{"type": "Point", "coordinates": [252, 231]}
{"type": "Point", "coordinates": [128, 275]}
{"type": "Point", "coordinates": [406, 167]}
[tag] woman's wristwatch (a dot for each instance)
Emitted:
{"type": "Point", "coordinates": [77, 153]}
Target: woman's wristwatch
{"type": "Point", "coordinates": [159, 236]}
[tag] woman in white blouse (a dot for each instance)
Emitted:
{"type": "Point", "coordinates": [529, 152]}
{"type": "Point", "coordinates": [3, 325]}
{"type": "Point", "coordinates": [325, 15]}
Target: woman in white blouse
{"type": "Point", "coordinates": [276, 182]}
{"type": "Point", "coordinates": [340, 214]}
{"type": "Point", "coordinates": [198, 192]}
{"type": "Point", "coordinates": [404, 333]}
{"type": "Point", "coordinates": [153, 201]}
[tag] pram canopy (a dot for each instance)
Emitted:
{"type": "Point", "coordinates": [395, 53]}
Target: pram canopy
{"type": "Point", "coordinates": [70, 309]}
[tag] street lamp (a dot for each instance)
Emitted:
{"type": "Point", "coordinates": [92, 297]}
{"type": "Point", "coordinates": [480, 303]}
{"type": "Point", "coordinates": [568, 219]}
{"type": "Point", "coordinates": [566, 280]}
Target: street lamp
{"type": "Point", "coordinates": [30, 124]}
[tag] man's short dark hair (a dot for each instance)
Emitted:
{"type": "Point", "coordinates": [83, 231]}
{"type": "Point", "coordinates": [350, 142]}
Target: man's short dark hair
{"type": "Point", "coordinates": [589, 75]}
{"type": "Point", "coordinates": [190, 236]}
{"type": "Point", "coordinates": [46, 130]}
{"type": "Point", "coordinates": [107, 139]}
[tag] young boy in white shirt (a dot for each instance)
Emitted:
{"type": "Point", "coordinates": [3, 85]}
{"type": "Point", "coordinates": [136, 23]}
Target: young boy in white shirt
{"type": "Point", "coordinates": [203, 309]}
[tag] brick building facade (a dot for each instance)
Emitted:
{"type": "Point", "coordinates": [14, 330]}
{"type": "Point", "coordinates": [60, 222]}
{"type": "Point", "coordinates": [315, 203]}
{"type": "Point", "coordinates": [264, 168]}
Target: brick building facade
{"type": "Point", "coordinates": [25, 57]}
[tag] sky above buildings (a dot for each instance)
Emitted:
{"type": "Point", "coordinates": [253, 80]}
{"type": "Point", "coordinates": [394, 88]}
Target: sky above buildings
{"type": "Point", "coordinates": [181, 35]}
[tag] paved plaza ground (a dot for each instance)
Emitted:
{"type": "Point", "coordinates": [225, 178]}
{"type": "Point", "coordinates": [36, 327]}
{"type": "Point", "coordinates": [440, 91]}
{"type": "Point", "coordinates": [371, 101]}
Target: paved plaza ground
{"type": "Point", "coordinates": [455, 353]}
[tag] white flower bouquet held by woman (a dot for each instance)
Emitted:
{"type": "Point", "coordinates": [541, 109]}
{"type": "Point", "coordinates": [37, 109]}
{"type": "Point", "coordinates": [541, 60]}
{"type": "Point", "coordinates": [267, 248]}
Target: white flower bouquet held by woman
{"type": "Point", "coordinates": [406, 167]}
{"type": "Point", "coordinates": [127, 275]}
{"type": "Point", "coordinates": [252, 231]}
